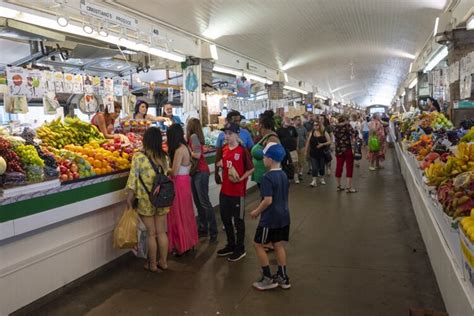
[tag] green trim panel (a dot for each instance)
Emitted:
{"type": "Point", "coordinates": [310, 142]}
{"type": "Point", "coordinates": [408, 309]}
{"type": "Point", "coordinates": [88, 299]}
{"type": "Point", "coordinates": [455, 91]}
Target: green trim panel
{"type": "Point", "coordinates": [40, 204]}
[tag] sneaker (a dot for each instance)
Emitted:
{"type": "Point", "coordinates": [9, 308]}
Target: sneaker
{"type": "Point", "coordinates": [323, 182]}
{"type": "Point", "coordinates": [226, 251]}
{"type": "Point", "coordinates": [265, 283]}
{"type": "Point", "coordinates": [237, 255]}
{"type": "Point", "coordinates": [284, 283]}
{"type": "Point", "coordinates": [372, 169]}
{"type": "Point", "coordinates": [313, 183]}
{"type": "Point", "coordinates": [300, 176]}
{"type": "Point", "coordinates": [297, 180]}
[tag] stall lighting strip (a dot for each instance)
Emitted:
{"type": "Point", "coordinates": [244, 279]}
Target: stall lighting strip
{"type": "Point", "coordinates": [413, 83]}
{"type": "Point", "coordinates": [295, 89]}
{"type": "Point", "coordinates": [442, 54]}
{"type": "Point", "coordinates": [320, 96]}
{"type": "Point", "coordinates": [235, 72]}
{"type": "Point", "coordinates": [78, 30]}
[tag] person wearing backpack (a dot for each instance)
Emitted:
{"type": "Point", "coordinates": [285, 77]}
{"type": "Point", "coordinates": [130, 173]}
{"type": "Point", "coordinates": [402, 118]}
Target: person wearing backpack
{"type": "Point", "coordinates": [182, 228]}
{"type": "Point", "coordinates": [377, 136]}
{"type": "Point", "coordinates": [142, 173]}
{"type": "Point", "coordinates": [236, 167]}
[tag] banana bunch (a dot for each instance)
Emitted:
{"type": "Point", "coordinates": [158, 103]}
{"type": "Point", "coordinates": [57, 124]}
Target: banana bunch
{"type": "Point", "coordinates": [469, 137]}
{"type": "Point", "coordinates": [465, 153]}
{"type": "Point", "coordinates": [436, 173]}
{"type": "Point", "coordinates": [72, 132]}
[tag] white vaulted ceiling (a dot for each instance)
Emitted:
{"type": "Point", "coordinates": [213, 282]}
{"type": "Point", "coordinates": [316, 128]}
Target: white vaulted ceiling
{"type": "Point", "coordinates": [313, 40]}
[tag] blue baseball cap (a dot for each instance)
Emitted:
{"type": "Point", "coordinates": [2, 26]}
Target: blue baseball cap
{"type": "Point", "coordinates": [274, 151]}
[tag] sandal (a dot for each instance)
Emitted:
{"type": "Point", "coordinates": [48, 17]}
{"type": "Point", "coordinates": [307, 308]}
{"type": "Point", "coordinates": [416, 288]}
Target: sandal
{"type": "Point", "coordinates": [339, 188]}
{"type": "Point", "coordinates": [351, 190]}
{"type": "Point", "coordinates": [148, 267]}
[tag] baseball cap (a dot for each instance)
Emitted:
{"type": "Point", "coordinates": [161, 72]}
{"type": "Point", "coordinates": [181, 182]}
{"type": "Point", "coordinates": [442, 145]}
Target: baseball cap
{"type": "Point", "coordinates": [274, 151]}
{"type": "Point", "coordinates": [231, 127]}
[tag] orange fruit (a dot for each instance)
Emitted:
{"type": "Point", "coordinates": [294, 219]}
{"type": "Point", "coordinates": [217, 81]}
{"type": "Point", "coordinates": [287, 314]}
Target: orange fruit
{"type": "Point", "coordinates": [97, 164]}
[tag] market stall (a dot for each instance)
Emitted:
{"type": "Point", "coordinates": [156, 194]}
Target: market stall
{"type": "Point", "coordinates": [437, 163]}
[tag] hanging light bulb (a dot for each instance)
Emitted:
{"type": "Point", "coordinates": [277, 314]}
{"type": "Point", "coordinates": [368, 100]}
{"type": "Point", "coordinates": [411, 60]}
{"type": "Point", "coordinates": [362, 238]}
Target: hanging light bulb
{"type": "Point", "coordinates": [103, 32]}
{"type": "Point", "coordinates": [62, 21]}
{"type": "Point", "coordinates": [87, 28]}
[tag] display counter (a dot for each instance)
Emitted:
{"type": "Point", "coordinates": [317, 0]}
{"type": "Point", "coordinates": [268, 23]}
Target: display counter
{"type": "Point", "coordinates": [441, 237]}
{"type": "Point", "coordinates": [52, 237]}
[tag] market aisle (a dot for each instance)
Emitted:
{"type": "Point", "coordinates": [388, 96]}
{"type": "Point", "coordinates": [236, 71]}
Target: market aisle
{"type": "Point", "coordinates": [359, 254]}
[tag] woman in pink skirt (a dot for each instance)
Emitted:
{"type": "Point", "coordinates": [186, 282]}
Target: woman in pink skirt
{"type": "Point", "coordinates": [182, 228]}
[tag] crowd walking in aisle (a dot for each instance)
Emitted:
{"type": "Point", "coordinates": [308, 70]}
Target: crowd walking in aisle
{"type": "Point", "coordinates": [176, 229]}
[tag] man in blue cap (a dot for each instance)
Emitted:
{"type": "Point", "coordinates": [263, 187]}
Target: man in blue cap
{"type": "Point", "coordinates": [274, 225]}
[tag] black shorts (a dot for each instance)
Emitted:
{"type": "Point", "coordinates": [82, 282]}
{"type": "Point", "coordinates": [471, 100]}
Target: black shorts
{"type": "Point", "coordinates": [265, 235]}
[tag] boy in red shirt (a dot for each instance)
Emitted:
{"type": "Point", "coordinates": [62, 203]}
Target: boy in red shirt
{"type": "Point", "coordinates": [237, 167]}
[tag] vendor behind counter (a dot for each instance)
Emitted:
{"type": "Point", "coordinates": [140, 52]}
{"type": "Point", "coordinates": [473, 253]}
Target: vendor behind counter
{"type": "Point", "coordinates": [105, 121]}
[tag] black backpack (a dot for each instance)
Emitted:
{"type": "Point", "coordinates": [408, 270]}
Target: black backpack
{"type": "Point", "coordinates": [162, 194]}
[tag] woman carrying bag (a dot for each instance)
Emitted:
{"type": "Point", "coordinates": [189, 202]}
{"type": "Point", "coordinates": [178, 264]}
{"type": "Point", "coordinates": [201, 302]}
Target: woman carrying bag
{"type": "Point", "coordinates": [143, 173]}
{"type": "Point", "coordinates": [376, 152]}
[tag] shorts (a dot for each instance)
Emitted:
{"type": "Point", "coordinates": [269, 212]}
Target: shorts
{"type": "Point", "coordinates": [265, 235]}
{"type": "Point", "coordinates": [294, 156]}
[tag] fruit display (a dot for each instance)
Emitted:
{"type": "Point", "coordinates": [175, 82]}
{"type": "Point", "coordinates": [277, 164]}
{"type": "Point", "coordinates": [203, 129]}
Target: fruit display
{"type": "Point", "coordinates": [457, 195]}
{"type": "Point", "coordinates": [133, 126]}
{"type": "Point", "coordinates": [467, 225]}
{"type": "Point", "coordinates": [57, 134]}
{"type": "Point", "coordinates": [32, 162]}
{"type": "Point", "coordinates": [3, 166]}
{"type": "Point", "coordinates": [72, 166]}
{"type": "Point", "coordinates": [12, 160]}
{"type": "Point", "coordinates": [421, 147]}
{"type": "Point", "coordinates": [439, 121]}
{"type": "Point", "coordinates": [469, 136]}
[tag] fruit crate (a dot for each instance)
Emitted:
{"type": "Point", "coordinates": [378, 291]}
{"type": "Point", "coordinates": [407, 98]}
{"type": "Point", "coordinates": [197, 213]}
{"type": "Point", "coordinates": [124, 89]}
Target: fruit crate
{"type": "Point", "coordinates": [133, 126]}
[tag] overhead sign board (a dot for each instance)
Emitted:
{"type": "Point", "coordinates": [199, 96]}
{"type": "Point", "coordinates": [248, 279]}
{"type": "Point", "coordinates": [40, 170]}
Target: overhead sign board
{"type": "Point", "coordinates": [106, 14]}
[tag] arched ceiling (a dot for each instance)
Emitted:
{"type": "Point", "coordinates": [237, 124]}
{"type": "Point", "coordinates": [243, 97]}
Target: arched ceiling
{"type": "Point", "coordinates": [316, 41]}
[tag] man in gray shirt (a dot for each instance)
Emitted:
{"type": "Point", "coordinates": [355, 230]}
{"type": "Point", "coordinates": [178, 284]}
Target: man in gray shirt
{"type": "Point", "coordinates": [302, 134]}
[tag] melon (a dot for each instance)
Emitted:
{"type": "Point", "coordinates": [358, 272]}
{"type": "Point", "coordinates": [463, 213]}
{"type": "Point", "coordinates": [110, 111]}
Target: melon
{"type": "Point", "coordinates": [3, 166]}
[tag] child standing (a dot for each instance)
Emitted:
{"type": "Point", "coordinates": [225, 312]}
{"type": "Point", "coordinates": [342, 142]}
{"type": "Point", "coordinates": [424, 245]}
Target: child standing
{"type": "Point", "coordinates": [237, 167]}
{"type": "Point", "coordinates": [274, 225]}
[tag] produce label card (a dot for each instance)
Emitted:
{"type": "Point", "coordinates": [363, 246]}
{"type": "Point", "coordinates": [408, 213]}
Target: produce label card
{"type": "Point", "coordinates": [90, 103]}
{"type": "Point", "coordinates": [16, 81]}
{"type": "Point", "coordinates": [77, 87]}
{"type": "Point", "coordinates": [35, 84]}
{"type": "Point", "coordinates": [96, 84]}
{"type": "Point", "coordinates": [48, 77]}
{"type": "Point", "coordinates": [68, 83]}
{"type": "Point", "coordinates": [88, 88]}
{"type": "Point", "coordinates": [125, 87]}
{"type": "Point", "coordinates": [59, 82]}
{"type": "Point", "coordinates": [109, 103]}
{"type": "Point", "coordinates": [118, 91]}
{"type": "Point", "coordinates": [108, 86]}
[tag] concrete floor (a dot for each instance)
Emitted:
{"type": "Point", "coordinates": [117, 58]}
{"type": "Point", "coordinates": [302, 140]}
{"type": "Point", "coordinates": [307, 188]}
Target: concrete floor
{"type": "Point", "coordinates": [359, 254]}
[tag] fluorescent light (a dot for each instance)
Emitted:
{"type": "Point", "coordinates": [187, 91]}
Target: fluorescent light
{"type": "Point", "coordinates": [436, 27]}
{"type": "Point", "coordinates": [320, 96]}
{"type": "Point", "coordinates": [439, 56]}
{"type": "Point", "coordinates": [413, 83]}
{"type": "Point", "coordinates": [214, 52]}
{"type": "Point", "coordinates": [411, 67]}
{"type": "Point", "coordinates": [258, 78]}
{"type": "Point", "coordinates": [403, 93]}
{"type": "Point", "coordinates": [226, 70]}
{"type": "Point", "coordinates": [286, 76]}
{"type": "Point", "coordinates": [470, 23]}
{"type": "Point", "coordinates": [78, 30]}
{"type": "Point", "coordinates": [295, 89]}
{"type": "Point", "coordinates": [62, 21]}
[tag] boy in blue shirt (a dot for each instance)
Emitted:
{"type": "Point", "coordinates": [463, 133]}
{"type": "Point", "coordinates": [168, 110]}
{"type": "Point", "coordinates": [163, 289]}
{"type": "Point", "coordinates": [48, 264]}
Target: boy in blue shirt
{"type": "Point", "coordinates": [274, 225]}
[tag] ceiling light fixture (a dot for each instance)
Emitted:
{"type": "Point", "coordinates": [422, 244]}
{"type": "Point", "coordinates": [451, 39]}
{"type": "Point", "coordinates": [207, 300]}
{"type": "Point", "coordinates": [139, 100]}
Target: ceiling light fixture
{"type": "Point", "coordinates": [213, 49]}
{"type": "Point", "coordinates": [436, 59]}
{"type": "Point", "coordinates": [436, 26]}
{"type": "Point", "coordinates": [470, 23]}
{"type": "Point", "coordinates": [295, 89]}
{"type": "Point", "coordinates": [320, 97]}
{"type": "Point", "coordinates": [62, 21]}
{"type": "Point", "coordinates": [413, 83]}
{"type": "Point", "coordinates": [103, 32]}
{"type": "Point", "coordinates": [87, 29]}
{"type": "Point", "coordinates": [286, 76]}
{"type": "Point", "coordinates": [411, 67]}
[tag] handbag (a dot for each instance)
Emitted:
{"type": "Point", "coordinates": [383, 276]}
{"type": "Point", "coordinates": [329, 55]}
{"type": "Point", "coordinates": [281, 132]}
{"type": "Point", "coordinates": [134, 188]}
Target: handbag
{"type": "Point", "coordinates": [327, 155]}
{"type": "Point", "coordinates": [194, 163]}
{"type": "Point", "coordinates": [374, 143]}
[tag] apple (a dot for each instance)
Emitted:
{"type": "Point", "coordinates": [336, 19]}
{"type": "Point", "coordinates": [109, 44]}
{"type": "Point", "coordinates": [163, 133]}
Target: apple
{"type": "Point", "coordinates": [75, 175]}
{"type": "Point", "coordinates": [64, 177]}
{"type": "Point", "coordinates": [74, 168]}
{"type": "Point", "coordinates": [62, 169]}
{"type": "Point", "coordinates": [70, 177]}
{"type": "Point", "coordinates": [117, 146]}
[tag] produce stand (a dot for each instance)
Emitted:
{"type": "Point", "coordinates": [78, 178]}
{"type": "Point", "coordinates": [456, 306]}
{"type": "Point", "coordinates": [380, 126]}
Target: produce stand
{"type": "Point", "coordinates": [441, 236]}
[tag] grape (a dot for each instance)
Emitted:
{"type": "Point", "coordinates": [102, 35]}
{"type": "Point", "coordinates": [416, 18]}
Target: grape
{"type": "Point", "coordinates": [13, 161]}
{"type": "Point", "coordinates": [34, 173]}
{"type": "Point", "coordinates": [29, 155]}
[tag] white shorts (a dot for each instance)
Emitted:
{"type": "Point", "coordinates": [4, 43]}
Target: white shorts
{"type": "Point", "coordinates": [294, 156]}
